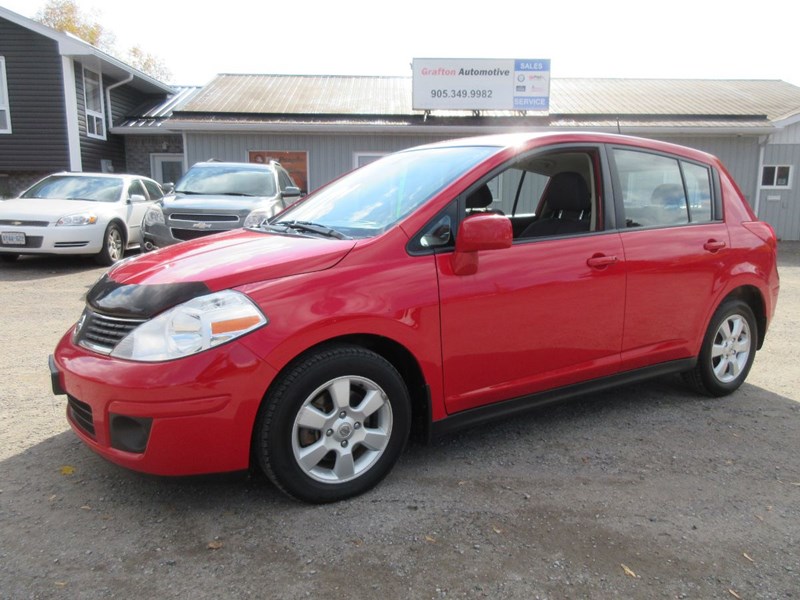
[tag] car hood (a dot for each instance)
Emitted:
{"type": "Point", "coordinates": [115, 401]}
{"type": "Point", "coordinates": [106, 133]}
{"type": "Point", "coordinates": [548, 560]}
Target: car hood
{"type": "Point", "coordinates": [33, 209]}
{"type": "Point", "coordinates": [231, 259]}
{"type": "Point", "coordinates": [180, 202]}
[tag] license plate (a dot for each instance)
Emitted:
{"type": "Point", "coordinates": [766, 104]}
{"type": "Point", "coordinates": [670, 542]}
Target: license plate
{"type": "Point", "coordinates": [12, 238]}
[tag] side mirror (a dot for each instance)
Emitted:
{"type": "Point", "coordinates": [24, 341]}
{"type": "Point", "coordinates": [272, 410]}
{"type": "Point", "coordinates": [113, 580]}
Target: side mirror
{"type": "Point", "coordinates": [168, 188]}
{"type": "Point", "coordinates": [291, 192]}
{"type": "Point", "coordinates": [477, 233]}
{"type": "Point", "coordinates": [135, 198]}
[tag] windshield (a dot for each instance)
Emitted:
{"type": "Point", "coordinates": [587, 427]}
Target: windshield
{"type": "Point", "coordinates": [73, 187]}
{"type": "Point", "coordinates": [371, 199]}
{"type": "Point", "coordinates": [230, 180]}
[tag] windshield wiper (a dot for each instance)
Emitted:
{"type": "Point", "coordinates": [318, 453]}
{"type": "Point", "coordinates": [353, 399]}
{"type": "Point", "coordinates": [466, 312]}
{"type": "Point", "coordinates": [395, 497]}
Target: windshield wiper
{"type": "Point", "coordinates": [309, 227]}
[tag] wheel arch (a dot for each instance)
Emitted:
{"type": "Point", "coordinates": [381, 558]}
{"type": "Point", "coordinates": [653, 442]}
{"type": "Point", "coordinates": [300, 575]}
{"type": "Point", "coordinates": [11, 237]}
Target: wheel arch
{"type": "Point", "coordinates": [753, 297]}
{"type": "Point", "coordinates": [123, 229]}
{"type": "Point", "coordinates": [400, 357]}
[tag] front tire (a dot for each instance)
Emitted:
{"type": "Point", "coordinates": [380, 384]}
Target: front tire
{"type": "Point", "coordinates": [333, 425]}
{"type": "Point", "coordinates": [728, 350]}
{"type": "Point", "coordinates": [113, 246]}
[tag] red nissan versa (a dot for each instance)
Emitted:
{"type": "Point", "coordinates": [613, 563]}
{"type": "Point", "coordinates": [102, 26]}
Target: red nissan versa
{"type": "Point", "coordinates": [442, 285]}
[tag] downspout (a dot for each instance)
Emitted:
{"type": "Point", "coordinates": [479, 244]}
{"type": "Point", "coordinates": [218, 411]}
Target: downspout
{"type": "Point", "coordinates": [108, 98]}
{"type": "Point", "coordinates": [762, 142]}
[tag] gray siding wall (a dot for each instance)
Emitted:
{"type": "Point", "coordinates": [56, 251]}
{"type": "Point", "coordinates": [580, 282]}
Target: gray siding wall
{"type": "Point", "coordinates": [331, 155]}
{"type": "Point", "coordinates": [780, 207]}
{"type": "Point", "coordinates": [38, 142]}
{"type": "Point", "coordinates": [328, 155]}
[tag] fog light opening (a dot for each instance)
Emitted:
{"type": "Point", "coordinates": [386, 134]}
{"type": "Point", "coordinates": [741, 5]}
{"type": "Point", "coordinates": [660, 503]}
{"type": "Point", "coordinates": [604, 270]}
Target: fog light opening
{"type": "Point", "coordinates": [130, 434]}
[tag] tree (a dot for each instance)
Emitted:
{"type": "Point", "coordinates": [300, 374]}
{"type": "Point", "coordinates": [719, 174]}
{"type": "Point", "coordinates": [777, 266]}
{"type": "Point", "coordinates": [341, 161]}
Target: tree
{"type": "Point", "coordinates": [148, 63]}
{"type": "Point", "coordinates": [66, 16]}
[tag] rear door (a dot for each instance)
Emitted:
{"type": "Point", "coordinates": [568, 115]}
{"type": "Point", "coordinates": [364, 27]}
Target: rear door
{"type": "Point", "coordinates": [674, 244]}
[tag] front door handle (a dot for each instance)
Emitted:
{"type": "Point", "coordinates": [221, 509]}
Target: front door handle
{"type": "Point", "coordinates": [713, 245]}
{"type": "Point", "coordinates": [601, 261]}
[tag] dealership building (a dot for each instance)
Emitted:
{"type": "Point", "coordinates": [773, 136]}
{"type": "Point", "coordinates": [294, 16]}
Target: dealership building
{"type": "Point", "coordinates": [322, 126]}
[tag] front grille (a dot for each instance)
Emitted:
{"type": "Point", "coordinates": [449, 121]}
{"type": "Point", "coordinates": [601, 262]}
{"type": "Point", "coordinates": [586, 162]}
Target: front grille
{"type": "Point", "coordinates": [81, 414]}
{"type": "Point", "coordinates": [102, 333]}
{"type": "Point", "coordinates": [13, 223]}
{"type": "Point", "coordinates": [204, 218]}
{"type": "Point", "coordinates": [191, 234]}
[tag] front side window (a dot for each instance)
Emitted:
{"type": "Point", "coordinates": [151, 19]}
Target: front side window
{"type": "Point", "coordinates": [5, 113]}
{"type": "Point", "coordinates": [776, 176]}
{"type": "Point", "coordinates": [153, 191]}
{"type": "Point", "coordinates": [93, 95]}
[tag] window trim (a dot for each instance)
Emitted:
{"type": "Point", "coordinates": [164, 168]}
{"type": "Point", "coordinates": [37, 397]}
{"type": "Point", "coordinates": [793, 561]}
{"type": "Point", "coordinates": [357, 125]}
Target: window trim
{"type": "Point", "coordinates": [774, 185]}
{"type": "Point", "coordinates": [5, 106]}
{"type": "Point", "coordinates": [356, 155]}
{"type": "Point", "coordinates": [717, 208]}
{"type": "Point", "coordinates": [92, 113]}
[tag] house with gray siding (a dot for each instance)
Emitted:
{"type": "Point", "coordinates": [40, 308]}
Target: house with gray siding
{"type": "Point", "coordinates": [323, 126]}
{"type": "Point", "coordinates": [60, 99]}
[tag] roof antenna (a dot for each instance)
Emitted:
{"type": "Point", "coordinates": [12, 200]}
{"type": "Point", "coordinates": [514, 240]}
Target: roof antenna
{"type": "Point", "coordinates": [619, 130]}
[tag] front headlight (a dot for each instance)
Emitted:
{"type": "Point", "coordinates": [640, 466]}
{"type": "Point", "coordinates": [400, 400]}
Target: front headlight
{"type": "Point", "coordinates": [78, 219]}
{"type": "Point", "coordinates": [259, 215]}
{"type": "Point", "coordinates": [194, 326]}
{"type": "Point", "coordinates": [154, 216]}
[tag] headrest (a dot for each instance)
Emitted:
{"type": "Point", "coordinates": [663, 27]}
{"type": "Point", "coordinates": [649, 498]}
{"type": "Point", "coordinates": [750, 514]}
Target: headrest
{"type": "Point", "coordinates": [480, 198]}
{"type": "Point", "coordinates": [568, 191]}
{"type": "Point", "coordinates": [668, 194]}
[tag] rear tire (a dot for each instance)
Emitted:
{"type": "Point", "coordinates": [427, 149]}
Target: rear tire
{"type": "Point", "coordinates": [9, 258]}
{"type": "Point", "coordinates": [728, 350]}
{"type": "Point", "coordinates": [113, 246]}
{"type": "Point", "coordinates": [333, 424]}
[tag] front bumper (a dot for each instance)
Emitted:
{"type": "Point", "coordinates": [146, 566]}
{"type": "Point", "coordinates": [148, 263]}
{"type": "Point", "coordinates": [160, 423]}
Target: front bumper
{"type": "Point", "coordinates": [185, 417]}
{"type": "Point", "coordinates": [86, 239]}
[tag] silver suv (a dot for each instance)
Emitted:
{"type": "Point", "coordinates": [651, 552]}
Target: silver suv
{"type": "Point", "coordinates": [218, 196]}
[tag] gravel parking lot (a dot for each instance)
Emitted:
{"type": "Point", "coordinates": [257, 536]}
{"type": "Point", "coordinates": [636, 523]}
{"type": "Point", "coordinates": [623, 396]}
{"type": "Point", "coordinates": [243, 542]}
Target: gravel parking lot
{"type": "Point", "coordinates": [647, 491]}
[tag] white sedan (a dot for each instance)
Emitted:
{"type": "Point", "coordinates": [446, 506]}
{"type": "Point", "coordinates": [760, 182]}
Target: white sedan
{"type": "Point", "coordinates": [97, 214]}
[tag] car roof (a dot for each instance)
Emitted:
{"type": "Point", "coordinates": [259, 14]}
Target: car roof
{"type": "Point", "coordinates": [510, 140]}
{"type": "Point", "coordinates": [245, 165]}
{"type": "Point", "coordinates": [106, 175]}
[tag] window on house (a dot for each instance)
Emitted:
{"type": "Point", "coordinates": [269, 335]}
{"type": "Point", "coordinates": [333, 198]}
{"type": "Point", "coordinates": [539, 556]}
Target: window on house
{"type": "Point", "coordinates": [93, 94]}
{"type": "Point", "coordinates": [776, 176]}
{"type": "Point", "coordinates": [364, 158]}
{"type": "Point", "coordinates": [5, 115]}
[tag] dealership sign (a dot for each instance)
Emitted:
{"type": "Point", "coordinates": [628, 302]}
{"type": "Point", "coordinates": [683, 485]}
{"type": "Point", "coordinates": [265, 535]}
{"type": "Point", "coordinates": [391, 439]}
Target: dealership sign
{"type": "Point", "coordinates": [481, 84]}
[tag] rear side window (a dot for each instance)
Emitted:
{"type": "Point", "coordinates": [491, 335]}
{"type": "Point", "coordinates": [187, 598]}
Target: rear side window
{"type": "Point", "coordinates": [698, 188]}
{"type": "Point", "coordinates": [661, 191]}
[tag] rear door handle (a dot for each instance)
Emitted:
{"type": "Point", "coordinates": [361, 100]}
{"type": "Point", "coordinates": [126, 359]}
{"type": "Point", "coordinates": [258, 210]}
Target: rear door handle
{"type": "Point", "coordinates": [714, 245]}
{"type": "Point", "coordinates": [601, 261]}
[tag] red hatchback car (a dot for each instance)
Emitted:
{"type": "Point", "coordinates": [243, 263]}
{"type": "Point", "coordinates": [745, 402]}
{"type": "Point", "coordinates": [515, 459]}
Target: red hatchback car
{"type": "Point", "coordinates": [441, 286]}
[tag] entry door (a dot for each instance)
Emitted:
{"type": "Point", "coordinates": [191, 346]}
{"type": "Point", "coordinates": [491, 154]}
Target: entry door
{"type": "Point", "coordinates": [167, 168]}
{"type": "Point", "coordinates": [534, 316]}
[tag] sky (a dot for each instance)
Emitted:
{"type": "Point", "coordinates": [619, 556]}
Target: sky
{"type": "Point", "coordinates": [706, 39]}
